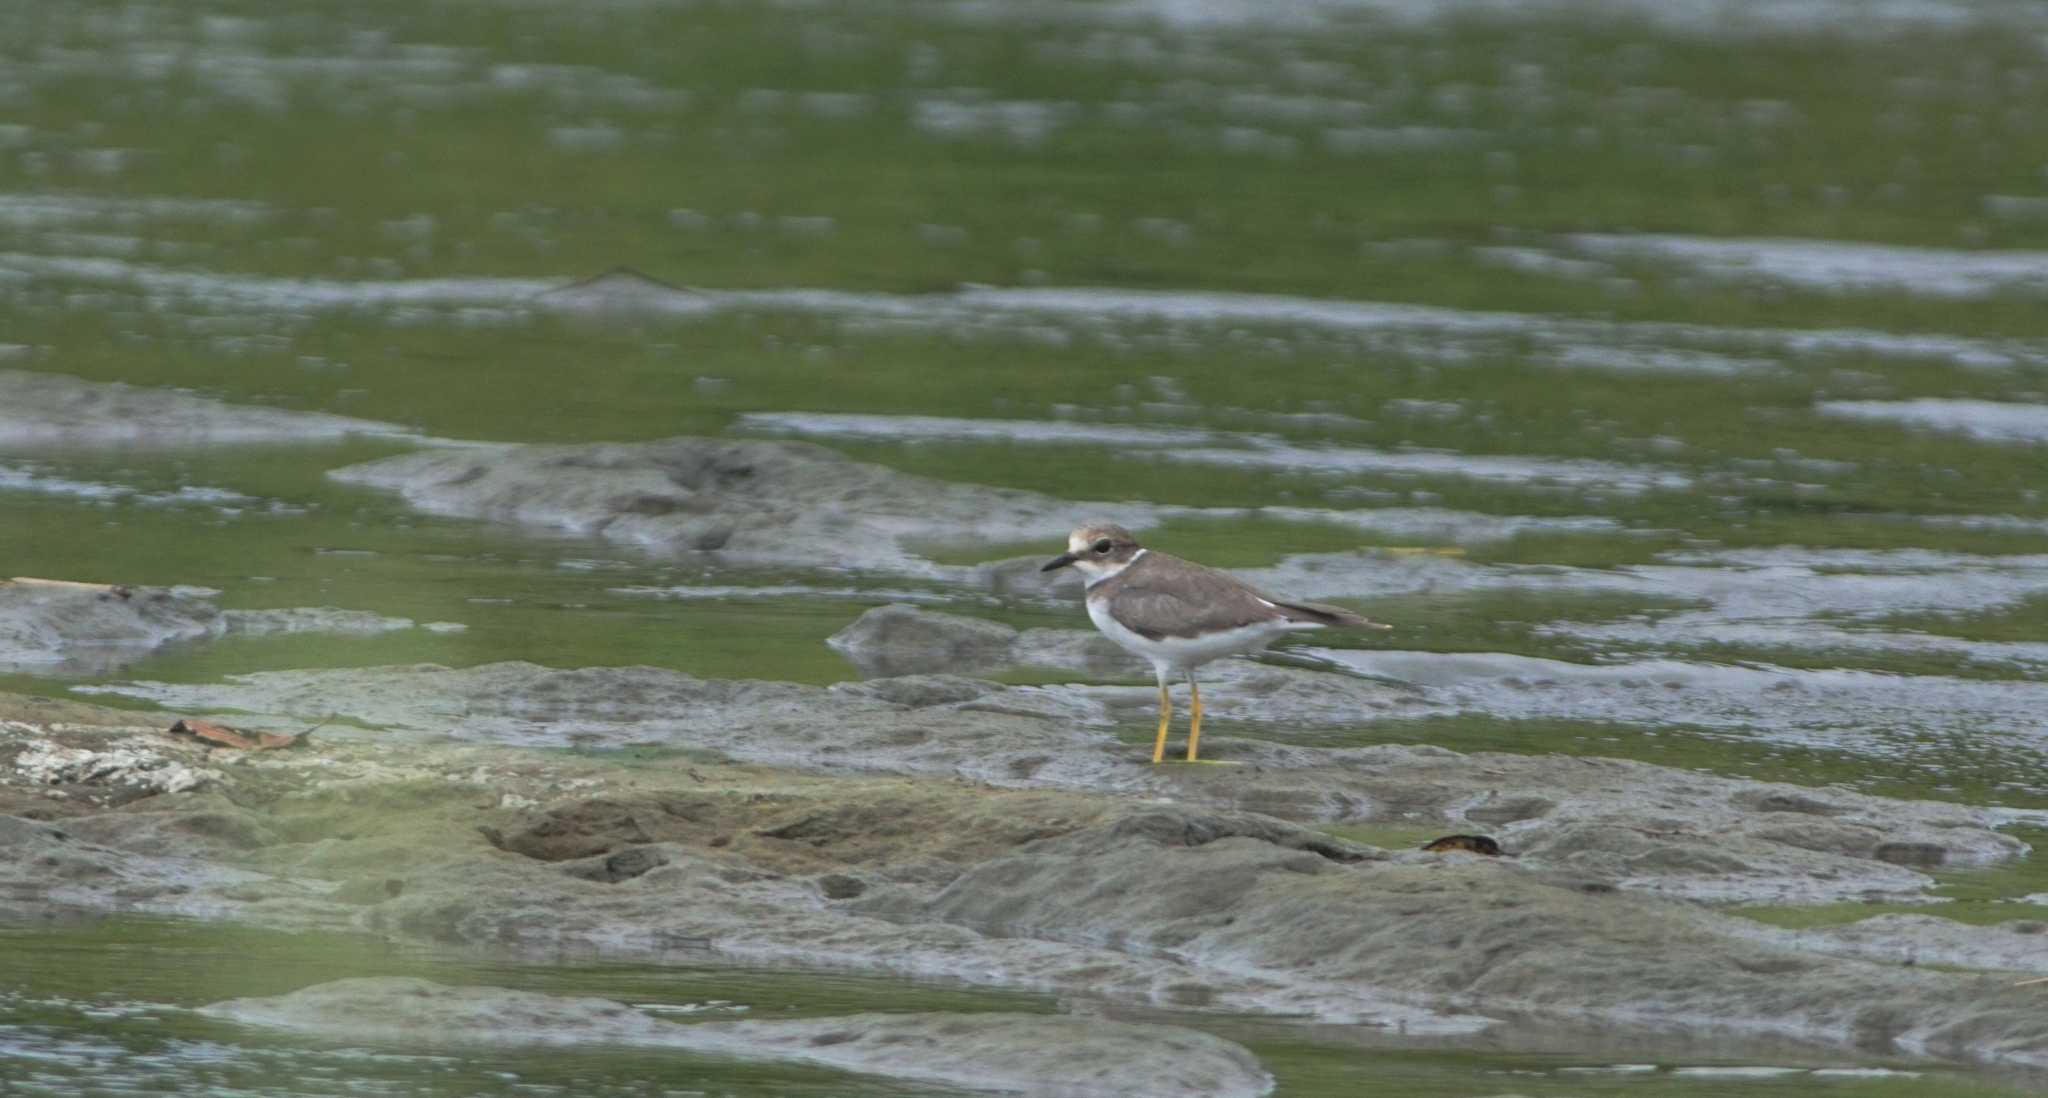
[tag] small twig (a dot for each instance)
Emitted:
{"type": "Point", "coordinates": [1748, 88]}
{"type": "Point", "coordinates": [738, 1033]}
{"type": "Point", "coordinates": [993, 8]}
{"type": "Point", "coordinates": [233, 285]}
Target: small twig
{"type": "Point", "coordinates": [2035, 980]}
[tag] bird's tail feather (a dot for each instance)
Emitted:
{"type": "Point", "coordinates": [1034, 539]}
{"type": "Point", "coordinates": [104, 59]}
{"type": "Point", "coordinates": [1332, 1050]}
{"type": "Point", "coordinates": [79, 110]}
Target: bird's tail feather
{"type": "Point", "coordinates": [1319, 614]}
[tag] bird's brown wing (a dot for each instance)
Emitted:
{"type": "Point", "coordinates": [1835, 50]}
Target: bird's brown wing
{"type": "Point", "coordinates": [1165, 596]}
{"type": "Point", "coordinates": [1150, 610]}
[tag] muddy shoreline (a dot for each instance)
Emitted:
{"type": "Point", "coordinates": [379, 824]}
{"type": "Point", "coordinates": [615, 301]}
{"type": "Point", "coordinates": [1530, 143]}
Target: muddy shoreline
{"type": "Point", "coordinates": [931, 822]}
{"type": "Point", "coordinates": [992, 840]}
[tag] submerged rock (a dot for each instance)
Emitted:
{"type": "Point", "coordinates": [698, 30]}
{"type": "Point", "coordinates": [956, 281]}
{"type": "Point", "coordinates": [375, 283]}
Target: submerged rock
{"type": "Point", "coordinates": [1040, 1054]}
{"type": "Point", "coordinates": [906, 640]}
{"type": "Point", "coordinates": [65, 628]}
{"type": "Point", "coordinates": [899, 639]}
{"type": "Point", "coordinates": [55, 410]}
{"type": "Point", "coordinates": [88, 628]}
{"type": "Point", "coordinates": [310, 619]}
{"type": "Point", "coordinates": [775, 504]}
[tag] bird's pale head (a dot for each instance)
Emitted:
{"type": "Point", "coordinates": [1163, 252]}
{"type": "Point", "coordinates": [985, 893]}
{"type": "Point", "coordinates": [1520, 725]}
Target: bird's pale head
{"type": "Point", "coordinates": [1097, 549]}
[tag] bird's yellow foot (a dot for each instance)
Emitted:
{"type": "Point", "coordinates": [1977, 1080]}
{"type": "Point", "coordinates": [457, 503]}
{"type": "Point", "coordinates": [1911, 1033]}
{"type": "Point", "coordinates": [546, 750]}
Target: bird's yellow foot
{"type": "Point", "coordinates": [1165, 716]}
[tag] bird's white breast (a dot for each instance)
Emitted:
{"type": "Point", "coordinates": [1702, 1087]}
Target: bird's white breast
{"type": "Point", "coordinates": [1182, 653]}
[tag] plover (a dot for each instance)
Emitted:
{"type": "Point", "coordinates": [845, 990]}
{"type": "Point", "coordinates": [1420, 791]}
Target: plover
{"type": "Point", "coordinates": [1179, 614]}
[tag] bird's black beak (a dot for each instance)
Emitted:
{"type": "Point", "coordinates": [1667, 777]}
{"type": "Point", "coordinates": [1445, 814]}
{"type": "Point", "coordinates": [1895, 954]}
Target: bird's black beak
{"type": "Point", "coordinates": [1059, 562]}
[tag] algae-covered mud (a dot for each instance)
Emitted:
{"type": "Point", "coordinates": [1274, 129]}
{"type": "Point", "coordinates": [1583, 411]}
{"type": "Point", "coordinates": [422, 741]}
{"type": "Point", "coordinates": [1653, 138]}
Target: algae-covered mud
{"type": "Point", "coordinates": [625, 435]}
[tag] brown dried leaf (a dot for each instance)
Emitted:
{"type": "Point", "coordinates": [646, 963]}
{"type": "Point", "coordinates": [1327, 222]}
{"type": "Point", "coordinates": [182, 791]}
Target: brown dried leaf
{"type": "Point", "coordinates": [220, 735]}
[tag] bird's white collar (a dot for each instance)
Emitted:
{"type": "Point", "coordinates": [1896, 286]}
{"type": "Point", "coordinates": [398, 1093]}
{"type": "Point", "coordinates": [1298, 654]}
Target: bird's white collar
{"type": "Point", "coordinates": [1108, 572]}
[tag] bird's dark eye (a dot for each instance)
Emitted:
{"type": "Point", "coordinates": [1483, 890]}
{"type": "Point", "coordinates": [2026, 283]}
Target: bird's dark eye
{"type": "Point", "coordinates": [1102, 546]}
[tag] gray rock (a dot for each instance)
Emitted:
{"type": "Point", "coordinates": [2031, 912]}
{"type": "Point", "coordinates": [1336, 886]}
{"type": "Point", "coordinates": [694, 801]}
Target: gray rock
{"type": "Point", "coordinates": [1024, 577]}
{"type": "Point", "coordinates": [899, 639]}
{"type": "Point", "coordinates": [54, 866]}
{"type": "Point", "coordinates": [130, 771]}
{"type": "Point", "coordinates": [76, 628]}
{"type": "Point", "coordinates": [905, 640]}
{"type": "Point", "coordinates": [38, 410]}
{"type": "Point", "coordinates": [775, 504]}
{"type": "Point", "coordinates": [2017, 946]}
{"type": "Point", "coordinates": [623, 866]}
{"type": "Point", "coordinates": [1626, 825]}
{"type": "Point", "coordinates": [1178, 899]}
{"type": "Point", "coordinates": [206, 826]}
{"type": "Point", "coordinates": [921, 691]}
{"type": "Point", "coordinates": [57, 627]}
{"type": "Point", "coordinates": [782, 724]}
{"type": "Point", "coordinates": [1080, 650]}
{"type": "Point", "coordinates": [1053, 1055]}
{"type": "Point", "coordinates": [697, 907]}
{"type": "Point", "coordinates": [1215, 895]}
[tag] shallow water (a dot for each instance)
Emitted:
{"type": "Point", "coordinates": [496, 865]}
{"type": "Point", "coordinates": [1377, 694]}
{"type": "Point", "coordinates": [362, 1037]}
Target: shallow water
{"type": "Point", "coordinates": [108, 1006]}
{"type": "Point", "coordinates": [1682, 374]}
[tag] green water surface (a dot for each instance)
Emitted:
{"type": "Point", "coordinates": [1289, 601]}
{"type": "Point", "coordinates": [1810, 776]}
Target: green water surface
{"type": "Point", "coordinates": [386, 141]}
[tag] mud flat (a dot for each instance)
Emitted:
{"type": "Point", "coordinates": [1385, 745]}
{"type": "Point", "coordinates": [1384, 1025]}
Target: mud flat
{"type": "Point", "coordinates": [942, 827]}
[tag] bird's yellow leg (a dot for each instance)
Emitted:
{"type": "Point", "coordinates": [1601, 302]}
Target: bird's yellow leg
{"type": "Point", "coordinates": [1195, 723]}
{"type": "Point", "coordinates": [1165, 717]}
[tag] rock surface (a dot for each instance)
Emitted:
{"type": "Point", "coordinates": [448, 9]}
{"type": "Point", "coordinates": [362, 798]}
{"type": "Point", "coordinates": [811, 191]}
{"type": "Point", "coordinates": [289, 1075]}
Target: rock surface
{"type": "Point", "coordinates": [1214, 894]}
{"type": "Point", "coordinates": [1063, 865]}
{"type": "Point", "coordinates": [68, 628]}
{"type": "Point", "coordinates": [1087, 873]}
{"type": "Point", "coordinates": [2020, 945]}
{"type": "Point", "coordinates": [904, 640]}
{"type": "Point", "coordinates": [133, 771]}
{"type": "Point", "coordinates": [1043, 1054]}
{"type": "Point", "coordinates": [763, 504]}
{"type": "Point", "coordinates": [57, 627]}
{"type": "Point", "coordinates": [1631, 825]}
{"type": "Point", "coordinates": [898, 639]}
{"type": "Point", "coordinates": [56, 410]}
{"type": "Point", "coordinates": [50, 866]}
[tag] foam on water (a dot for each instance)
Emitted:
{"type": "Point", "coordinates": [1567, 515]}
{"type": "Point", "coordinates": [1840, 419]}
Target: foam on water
{"type": "Point", "coordinates": [891, 428]}
{"type": "Point", "coordinates": [1789, 584]}
{"type": "Point", "coordinates": [53, 211]}
{"type": "Point", "coordinates": [1240, 450]}
{"type": "Point", "coordinates": [1748, 604]}
{"type": "Point", "coordinates": [1987, 420]}
{"type": "Point", "coordinates": [1708, 17]}
{"type": "Point", "coordinates": [257, 292]}
{"type": "Point", "coordinates": [1425, 524]}
{"type": "Point", "coordinates": [1515, 470]}
{"type": "Point", "coordinates": [1861, 712]}
{"type": "Point", "coordinates": [1655, 360]}
{"type": "Point", "coordinates": [18, 479]}
{"type": "Point", "coordinates": [1457, 333]}
{"type": "Point", "coordinates": [787, 591]}
{"type": "Point", "coordinates": [15, 478]}
{"type": "Point", "coordinates": [1834, 267]}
